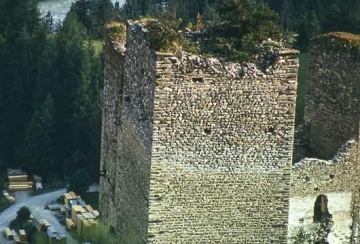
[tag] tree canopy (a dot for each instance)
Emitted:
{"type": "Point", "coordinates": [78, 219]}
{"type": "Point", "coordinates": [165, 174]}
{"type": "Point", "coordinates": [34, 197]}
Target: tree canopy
{"type": "Point", "coordinates": [51, 88]}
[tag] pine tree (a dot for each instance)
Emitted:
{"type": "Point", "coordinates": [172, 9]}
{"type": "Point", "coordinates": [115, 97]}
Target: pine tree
{"type": "Point", "coordinates": [71, 69]}
{"type": "Point", "coordinates": [244, 25]}
{"type": "Point", "coordinates": [38, 154]}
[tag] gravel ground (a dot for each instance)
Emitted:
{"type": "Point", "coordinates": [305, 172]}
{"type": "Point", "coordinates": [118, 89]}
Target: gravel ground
{"type": "Point", "coordinates": [36, 205]}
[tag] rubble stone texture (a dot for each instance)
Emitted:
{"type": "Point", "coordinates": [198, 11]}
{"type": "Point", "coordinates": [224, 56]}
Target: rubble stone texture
{"type": "Point", "coordinates": [332, 114]}
{"type": "Point", "coordinates": [195, 149]}
{"type": "Point", "coordinates": [333, 92]}
{"type": "Point", "coordinates": [337, 179]}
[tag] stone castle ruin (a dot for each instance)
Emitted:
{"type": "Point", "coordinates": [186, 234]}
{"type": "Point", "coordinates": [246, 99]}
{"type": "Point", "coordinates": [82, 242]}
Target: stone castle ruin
{"type": "Point", "coordinates": [332, 117]}
{"type": "Point", "coordinates": [198, 150]}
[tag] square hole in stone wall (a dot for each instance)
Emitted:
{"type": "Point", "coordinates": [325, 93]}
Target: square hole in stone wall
{"type": "Point", "coordinates": [127, 99]}
{"type": "Point", "coordinates": [198, 79]}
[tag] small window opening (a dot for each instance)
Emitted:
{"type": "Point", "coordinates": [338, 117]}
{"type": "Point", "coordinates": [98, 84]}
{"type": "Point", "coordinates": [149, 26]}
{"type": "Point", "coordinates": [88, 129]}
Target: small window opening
{"type": "Point", "coordinates": [307, 178]}
{"type": "Point", "coordinates": [198, 79]}
{"type": "Point", "coordinates": [321, 211]}
{"type": "Point", "coordinates": [271, 130]}
{"type": "Point", "coordinates": [332, 177]}
{"type": "Point", "coordinates": [102, 172]}
{"type": "Point", "coordinates": [322, 216]}
{"type": "Point", "coordinates": [207, 131]}
{"type": "Point", "coordinates": [127, 99]}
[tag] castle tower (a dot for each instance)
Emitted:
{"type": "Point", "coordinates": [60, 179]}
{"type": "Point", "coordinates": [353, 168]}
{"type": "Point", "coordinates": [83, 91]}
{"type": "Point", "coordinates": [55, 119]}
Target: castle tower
{"type": "Point", "coordinates": [332, 95]}
{"type": "Point", "coordinates": [195, 149]}
{"type": "Point", "coordinates": [332, 111]}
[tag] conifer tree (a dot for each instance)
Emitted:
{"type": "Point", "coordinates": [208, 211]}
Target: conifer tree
{"type": "Point", "coordinates": [38, 148]}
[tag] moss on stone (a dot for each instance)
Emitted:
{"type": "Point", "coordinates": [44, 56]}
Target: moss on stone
{"type": "Point", "coordinates": [340, 39]}
{"type": "Point", "coordinates": [117, 31]}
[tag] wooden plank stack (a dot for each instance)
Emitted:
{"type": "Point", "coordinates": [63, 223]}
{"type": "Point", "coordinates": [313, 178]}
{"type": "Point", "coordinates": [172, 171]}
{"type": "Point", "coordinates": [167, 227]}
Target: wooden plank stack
{"type": "Point", "coordinates": [18, 180]}
{"type": "Point", "coordinates": [81, 216]}
{"type": "Point", "coordinates": [22, 236]}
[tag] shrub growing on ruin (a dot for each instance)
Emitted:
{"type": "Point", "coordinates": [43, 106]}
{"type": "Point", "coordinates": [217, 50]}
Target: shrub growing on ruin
{"type": "Point", "coordinates": [244, 25]}
{"type": "Point", "coordinates": [165, 35]}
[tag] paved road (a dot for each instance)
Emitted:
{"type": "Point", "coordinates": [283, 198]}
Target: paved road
{"type": "Point", "coordinates": [36, 205]}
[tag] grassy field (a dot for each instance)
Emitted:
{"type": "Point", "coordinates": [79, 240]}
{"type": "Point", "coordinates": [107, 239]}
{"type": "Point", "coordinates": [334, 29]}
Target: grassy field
{"type": "Point", "coordinates": [304, 62]}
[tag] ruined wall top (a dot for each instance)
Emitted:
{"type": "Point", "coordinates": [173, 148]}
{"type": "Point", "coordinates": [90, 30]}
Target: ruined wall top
{"type": "Point", "coordinates": [338, 39]}
{"type": "Point", "coordinates": [331, 101]}
{"type": "Point", "coordinates": [116, 33]}
{"type": "Point", "coordinates": [262, 64]}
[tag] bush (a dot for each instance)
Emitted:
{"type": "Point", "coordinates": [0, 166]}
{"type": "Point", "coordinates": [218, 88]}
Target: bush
{"type": "Point", "coordinates": [165, 35]}
{"type": "Point", "coordinates": [30, 230]}
{"type": "Point", "coordinates": [23, 214]}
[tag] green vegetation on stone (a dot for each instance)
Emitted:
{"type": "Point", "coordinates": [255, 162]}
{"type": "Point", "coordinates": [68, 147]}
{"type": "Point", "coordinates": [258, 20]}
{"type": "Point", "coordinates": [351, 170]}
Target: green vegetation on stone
{"type": "Point", "coordinates": [117, 30]}
{"type": "Point", "coordinates": [341, 39]}
{"type": "Point", "coordinates": [164, 35]}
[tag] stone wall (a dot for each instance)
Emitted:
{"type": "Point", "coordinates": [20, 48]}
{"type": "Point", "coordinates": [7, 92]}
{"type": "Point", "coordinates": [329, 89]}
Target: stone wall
{"type": "Point", "coordinates": [113, 89]}
{"type": "Point", "coordinates": [332, 118]}
{"type": "Point", "coordinates": [127, 120]}
{"type": "Point", "coordinates": [196, 149]}
{"type": "Point", "coordinates": [333, 89]}
{"type": "Point", "coordinates": [222, 147]}
{"type": "Point", "coordinates": [337, 179]}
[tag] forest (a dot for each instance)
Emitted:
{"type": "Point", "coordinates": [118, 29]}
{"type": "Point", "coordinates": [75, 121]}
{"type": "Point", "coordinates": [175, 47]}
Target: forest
{"type": "Point", "coordinates": [51, 74]}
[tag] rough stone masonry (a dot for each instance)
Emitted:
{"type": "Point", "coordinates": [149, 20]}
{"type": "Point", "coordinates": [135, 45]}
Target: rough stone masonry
{"type": "Point", "coordinates": [332, 115]}
{"type": "Point", "coordinates": [195, 149]}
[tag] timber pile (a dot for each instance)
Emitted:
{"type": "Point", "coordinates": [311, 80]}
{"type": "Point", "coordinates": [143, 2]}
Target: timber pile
{"type": "Point", "coordinates": [18, 180]}
{"type": "Point", "coordinates": [55, 237]}
{"type": "Point", "coordinates": [8, 197]}
{"type": "Point", "coordinates": [8, 233]}
{"type": "Point", "coordinates": [41, 224]}
{"type": "Point", "coordinates": [22, 236]}
{"type": "Point", "coordinates": [79, 215]}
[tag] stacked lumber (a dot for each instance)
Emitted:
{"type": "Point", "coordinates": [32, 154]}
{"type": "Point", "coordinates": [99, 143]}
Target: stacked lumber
{"type": "Point", "coordinates": [42, 224]}
{"type": "Point", "coordinates": [69, 223]}
{"type": "Point", "coordinates": [75, 210]}
{"type": "Point", "coordinates": [19, 187]}
{"type": "Point", "coordinates": [8, 197]}
{"type": "Point", "coordinates": [70, 196]}
{"type": "Point", "coordinates": [18, 180]}
{"type": "Point", "coordinates": [83, 226]}
{"type": "Point", "coordinates": [8, 233]}
{"type": "Point", "coordinates": [22, 235]}
{"type": "Point", "coordinates": [81, 216]}
{"type": "Point", "coordinates": [55, 237]}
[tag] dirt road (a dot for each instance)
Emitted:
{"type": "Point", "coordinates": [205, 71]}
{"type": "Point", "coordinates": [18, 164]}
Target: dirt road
{"type": "Point", "coordinates": [36, 205]}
